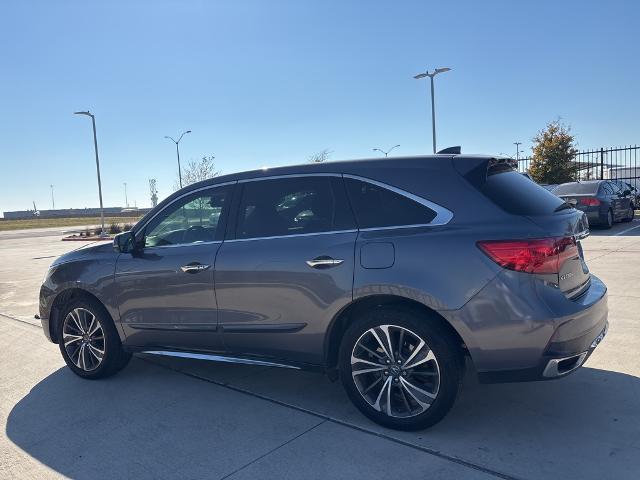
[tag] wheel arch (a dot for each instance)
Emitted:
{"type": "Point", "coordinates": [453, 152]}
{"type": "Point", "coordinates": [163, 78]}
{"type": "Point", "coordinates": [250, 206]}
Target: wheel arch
{"type": "Point", "coordinates": [343, 319]}
{"type": "Point", "coordinates": [62, 299]}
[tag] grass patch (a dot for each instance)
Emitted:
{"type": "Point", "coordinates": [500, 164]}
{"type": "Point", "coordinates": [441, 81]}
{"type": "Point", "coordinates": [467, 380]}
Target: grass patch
{"type": "Point", "coordinates": [6, 225]}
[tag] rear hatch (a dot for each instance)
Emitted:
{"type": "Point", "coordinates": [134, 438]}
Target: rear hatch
{"type": "Point", "coordinates": [558, 258]}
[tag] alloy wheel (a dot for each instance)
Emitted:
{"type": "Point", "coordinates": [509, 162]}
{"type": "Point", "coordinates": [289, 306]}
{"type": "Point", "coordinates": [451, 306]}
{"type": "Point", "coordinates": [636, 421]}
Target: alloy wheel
{"type": "Point", "coordinates": [395, 371]}
{"type": "Point", "coordinates": [83, 338]}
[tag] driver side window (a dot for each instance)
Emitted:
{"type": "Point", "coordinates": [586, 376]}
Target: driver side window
{"type": "Point", "coordinates": [193, 219]}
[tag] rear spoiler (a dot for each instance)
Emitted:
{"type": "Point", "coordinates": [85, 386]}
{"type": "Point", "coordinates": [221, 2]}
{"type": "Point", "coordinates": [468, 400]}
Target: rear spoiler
{"type": "Point", "coordinates": [477, 169]}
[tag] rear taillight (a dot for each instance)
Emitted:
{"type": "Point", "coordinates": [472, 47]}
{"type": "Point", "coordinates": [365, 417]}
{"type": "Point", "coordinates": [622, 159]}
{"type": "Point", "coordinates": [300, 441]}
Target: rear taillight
{"type": "Point", "coordinates": [540, 255]}
{"type": "Point", "coordinates": [590, 201]}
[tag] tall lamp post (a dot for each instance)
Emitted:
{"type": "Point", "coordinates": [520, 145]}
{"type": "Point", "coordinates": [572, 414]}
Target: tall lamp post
{"type": "Point", "coordinates": [95, 147]}
{"type": "Point", "coordinates": [517, 144]}
{"type": "Point", "coordinates": [53, 202]}
{"type": "Point", "coordinates": [433, 103]}
{"type": "Point", "coordinates": [177, 142]}
{"type": "Point", "coordinates": [386, 154]}
{"type": "Point", "coordinates": [126, 199]}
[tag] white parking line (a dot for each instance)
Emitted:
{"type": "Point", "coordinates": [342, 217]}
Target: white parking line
{"type": "Point", "coordinates": [628, 229]}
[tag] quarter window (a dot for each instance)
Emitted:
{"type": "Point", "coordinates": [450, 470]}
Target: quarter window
{"type": "Point", "coordinates": [292, 206]}
{"type": "Point", "coordinates": [377, 207]}
{"type": "Point", "coordinates": [194, 219]}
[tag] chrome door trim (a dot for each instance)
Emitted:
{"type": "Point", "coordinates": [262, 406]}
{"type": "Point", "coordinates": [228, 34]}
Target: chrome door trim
{"type": "Point", "coordinates": [290, 236]}
{"type": "Point", "coordinates": [218, 358]}
{"type": "Point", "coordinates": [212, 242]}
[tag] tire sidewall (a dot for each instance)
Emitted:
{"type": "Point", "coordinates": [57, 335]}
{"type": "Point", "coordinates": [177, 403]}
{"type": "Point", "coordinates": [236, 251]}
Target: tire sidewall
{"type": "Point", "coordinates": [609, 221]}
{"type": "Point", "coordinates": [112, 345]}
{"type": "Point", "coordinates": [444, 349]}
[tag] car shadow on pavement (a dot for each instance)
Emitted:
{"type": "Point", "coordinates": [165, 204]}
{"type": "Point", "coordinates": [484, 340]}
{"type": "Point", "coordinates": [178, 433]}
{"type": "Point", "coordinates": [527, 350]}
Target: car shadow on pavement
{"type": "Point", "coordinates": [152, 422]}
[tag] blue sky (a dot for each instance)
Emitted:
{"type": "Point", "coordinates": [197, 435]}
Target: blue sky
{"type": "Point", "coordinates": [265, 83]}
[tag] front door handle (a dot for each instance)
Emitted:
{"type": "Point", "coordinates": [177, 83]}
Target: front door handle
{"type": "Point", "coordinates": [194, 267]}
{"type": "Point", "coordinates": [324, 262]}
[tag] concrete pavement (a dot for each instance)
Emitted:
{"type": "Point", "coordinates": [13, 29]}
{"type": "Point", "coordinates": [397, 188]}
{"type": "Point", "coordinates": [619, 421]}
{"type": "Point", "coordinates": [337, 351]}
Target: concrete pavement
{"type": "Point", "coordinates": [162, 418]}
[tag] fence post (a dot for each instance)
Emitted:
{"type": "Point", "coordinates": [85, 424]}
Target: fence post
{"type": "Point", "coordinates": [601, 163]}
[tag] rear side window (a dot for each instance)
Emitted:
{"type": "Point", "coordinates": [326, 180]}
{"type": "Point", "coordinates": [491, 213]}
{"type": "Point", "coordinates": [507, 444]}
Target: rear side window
{"type": "Point", "coordinates": [292, 206]}
{"type": "Point", "coordinates": [377, 207]}
{"type": "Point", "coordinates": [605, 189]}
{"type": "Point", "coordinates": [518, 195]}
{"type": "Point", "coordinates": [577, 188]}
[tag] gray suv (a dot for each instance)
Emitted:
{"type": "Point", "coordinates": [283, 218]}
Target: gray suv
{"type": "Point", "coordinates": [390, 274]}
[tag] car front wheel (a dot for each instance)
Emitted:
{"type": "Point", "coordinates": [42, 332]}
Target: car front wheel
{"type": "Point", "coordinates": [400, 368]}
{"type": "Point", "coordinates": [89, 342]}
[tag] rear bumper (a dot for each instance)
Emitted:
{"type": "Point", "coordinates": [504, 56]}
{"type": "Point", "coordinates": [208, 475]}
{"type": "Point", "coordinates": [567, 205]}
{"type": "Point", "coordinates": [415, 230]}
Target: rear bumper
{"type": "Point", "coordinates": [518, 324]}
{"type": "Point", "coordinates": [596, 218]}
{"type": "Point", "coordinates": [549, 368]}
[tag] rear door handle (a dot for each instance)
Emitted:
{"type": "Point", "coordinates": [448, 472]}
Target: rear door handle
{"type": "Point", "coordinates": [194, 267]}
{"type": "Point", "coordinates": [324, 262]}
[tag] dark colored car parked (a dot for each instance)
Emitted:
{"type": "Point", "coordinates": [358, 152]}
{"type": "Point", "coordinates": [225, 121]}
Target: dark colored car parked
{"type": "Point", "coordinates": [603, 201]}
{"type": "Point", "coordinates": [377, 272]}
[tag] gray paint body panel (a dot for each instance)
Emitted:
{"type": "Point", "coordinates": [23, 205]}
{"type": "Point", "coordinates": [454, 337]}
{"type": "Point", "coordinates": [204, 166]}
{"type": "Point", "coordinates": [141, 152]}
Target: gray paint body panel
{"type": "Point", "coordinates": [276, 306]}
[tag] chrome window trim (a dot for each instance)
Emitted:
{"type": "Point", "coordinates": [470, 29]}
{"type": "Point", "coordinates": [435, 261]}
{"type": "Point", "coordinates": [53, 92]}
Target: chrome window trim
{"type": "Point", "coordinates": [291, 236]}
{"type": "Point", "coordinates": [292, 175]}
{"type": "Point", "coordinates": [186, 194]}
{"type": "Point", "coordinates": [443, 215]}
{"type": "Point", "coordinates": [192, 244]}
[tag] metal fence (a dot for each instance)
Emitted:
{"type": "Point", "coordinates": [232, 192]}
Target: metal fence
{"type": "Point", "coordinates": [603, 163]}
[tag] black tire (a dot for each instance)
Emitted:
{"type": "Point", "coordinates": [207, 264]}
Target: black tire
{"type": "Point", "coordinates": [114, 357]}
{"type": "Point", "coordinates": [449, 362]}
{"type": "Point", "coordinates": [608, 223]}
{"type": "Point", "coordinates": [630, 215]}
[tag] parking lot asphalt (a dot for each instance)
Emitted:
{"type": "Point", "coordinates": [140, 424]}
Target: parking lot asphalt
{"type": "Point", "coordinates": [168, 418]}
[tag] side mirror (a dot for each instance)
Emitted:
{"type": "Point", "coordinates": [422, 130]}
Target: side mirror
{"type": "Point", "coordinates": [125, 242]}
{"type": "Point", "coordinates": [626, 192]}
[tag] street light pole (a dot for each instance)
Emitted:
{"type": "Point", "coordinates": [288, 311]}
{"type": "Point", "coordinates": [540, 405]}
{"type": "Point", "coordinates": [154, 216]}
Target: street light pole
{"type": "Point", "coordinates": [126, 200]}
{"type": "Point", "coordinates": [517, 144]}
{"type": "Point", "coordinates": [431, 75]}
{"type": "Point", "coordinates": [386, 154]}
{"type": "Point", "coordinates": [177, 142]}
{"type": "Point", "coordinates": [95, 147]}
{"type": "Point", "coordinates": [53, 202]}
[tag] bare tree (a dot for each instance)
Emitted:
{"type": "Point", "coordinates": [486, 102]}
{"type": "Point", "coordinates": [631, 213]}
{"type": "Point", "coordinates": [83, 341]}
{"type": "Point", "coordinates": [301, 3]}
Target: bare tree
{"type": "Point", "coordinates": [321, 156]}
{"type": "Point", "coordinates": [153, 191]}
{"type": "Point", "coordinates": [198, 170]}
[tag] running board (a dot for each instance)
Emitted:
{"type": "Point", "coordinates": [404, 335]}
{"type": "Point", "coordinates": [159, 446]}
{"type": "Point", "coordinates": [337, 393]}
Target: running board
{"type": "Point", "coordinates": [218, 358]}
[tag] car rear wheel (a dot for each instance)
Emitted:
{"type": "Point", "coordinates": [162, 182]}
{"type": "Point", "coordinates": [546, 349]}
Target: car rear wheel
{"type": "Point", "coordinates": [609, 220]}
{"type": "Point", "coordinates": [400, 369]}
{"type": "Point", "coordinates": [89, 342]}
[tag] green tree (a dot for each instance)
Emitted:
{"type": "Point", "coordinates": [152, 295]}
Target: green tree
{"type": "Point", "coordinates": [553, 152]}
